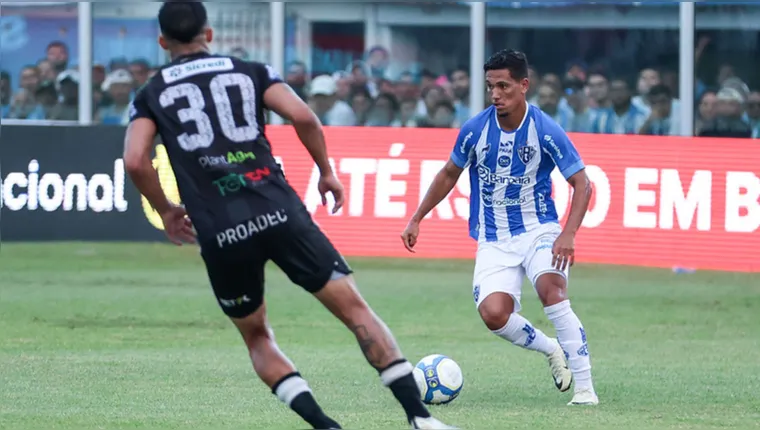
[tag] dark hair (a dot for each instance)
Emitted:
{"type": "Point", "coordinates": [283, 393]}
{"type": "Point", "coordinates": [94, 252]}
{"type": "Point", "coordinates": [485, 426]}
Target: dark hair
{"type": "Point", "coordinates": [427, 90]}
{"type": "Point", "coordinates": [57, 44]}
{"type": "Point", "coordinates": [460, 68]}
{"type": "Point", "coordinates": [660, 90]}
{"type": "Point", "coordinates": [362, 90]}
{"type": "Point", "coordinates": [395, 106]}
{"type": "Point", "coordinates": [426, 73]}
{"type": "Point", "coordinates": [446, 105]}
{"type": "Point", "coordinates": [623, 80]}
{"type": "Point", "coordinates": [142, 62]}
{"type": "Point", "coordinates": [514, 61]}
{"type": "Point", "coordinates": [598, 73]}
{"type": "Point", "coordinates": [574, 84]}
{"type": "Point", "coordinates": [704, 93]}
{"type": "Point", "coordinates": [5, 75]}
{"type": "Point", "coordinates": [182, 21]}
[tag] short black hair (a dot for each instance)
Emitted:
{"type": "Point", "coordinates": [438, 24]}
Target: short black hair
{"type": "Point", "coordinates": [57, 44]}
{"type": "Point", "coordinates": [182, 21]}
{"type": "Point", "coordinates": [460, 68]}
{"type": "Point", "coordinates": [574, 84]}
{"type": "Point", "coordinates": [5, 76]}
{"type": "Point", "coordinates": [395, 105]}
{"type": "Point", "coordinates": [660, 90]}
{"type": "Point", "coordinates": [514, 61]}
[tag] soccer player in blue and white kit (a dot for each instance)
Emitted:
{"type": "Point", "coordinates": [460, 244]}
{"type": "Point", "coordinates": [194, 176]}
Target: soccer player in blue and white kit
{"type": "Point", "coordinates": [511, 149]}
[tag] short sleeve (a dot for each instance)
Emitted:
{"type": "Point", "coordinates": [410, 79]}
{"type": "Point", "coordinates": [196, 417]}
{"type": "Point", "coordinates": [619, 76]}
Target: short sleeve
{"type": "Point", "coordinates": [139, 107]}
{"type": "Point", "coordinates": [462, 152]}
{"type": "Point", "coordinates": [266, 76]}
{"type": "Point", "coordinates": [557, 144]}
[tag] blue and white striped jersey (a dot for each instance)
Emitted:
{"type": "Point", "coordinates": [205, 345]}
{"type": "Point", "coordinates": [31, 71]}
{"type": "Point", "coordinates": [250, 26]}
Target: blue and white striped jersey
{"type": "Point", "coordinates": [510, 182]}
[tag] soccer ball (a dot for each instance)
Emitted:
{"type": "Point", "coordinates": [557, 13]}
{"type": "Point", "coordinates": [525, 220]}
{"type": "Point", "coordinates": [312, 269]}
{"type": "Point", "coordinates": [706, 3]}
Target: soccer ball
{"type": "Point", "coordinates": [439, 379]}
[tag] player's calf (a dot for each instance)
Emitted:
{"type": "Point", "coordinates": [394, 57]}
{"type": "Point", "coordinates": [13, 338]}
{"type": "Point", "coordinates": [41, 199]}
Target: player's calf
{"type": "Point", "coordinates": [377, 343]}
{"type": "Point", "coordinates": [552, 290]}
{"type": "Point", "coordinates": [275, 370]}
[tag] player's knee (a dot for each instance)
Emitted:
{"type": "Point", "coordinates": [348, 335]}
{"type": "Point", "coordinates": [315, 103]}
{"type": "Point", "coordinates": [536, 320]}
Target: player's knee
{"type": "Point", "coordinates": [254, 329]}
{"type": "Point", "coordinates": [495, 310]}
{"type": "Point", "coordinates": [551, 289]}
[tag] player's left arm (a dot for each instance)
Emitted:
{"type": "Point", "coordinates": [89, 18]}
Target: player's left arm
{"type": "Point", "coordinates": [558, 145]}
{"type": "Point", "coordinates": [138, 145]}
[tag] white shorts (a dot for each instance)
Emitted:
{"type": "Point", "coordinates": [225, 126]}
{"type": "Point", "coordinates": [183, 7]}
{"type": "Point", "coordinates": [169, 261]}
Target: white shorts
{"type": "Point", "coordinates": [501, 266]}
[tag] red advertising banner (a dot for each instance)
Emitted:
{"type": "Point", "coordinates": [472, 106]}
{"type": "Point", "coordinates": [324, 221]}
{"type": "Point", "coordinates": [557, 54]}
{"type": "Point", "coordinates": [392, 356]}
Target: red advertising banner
{"type": "Point", "coordinates": [658, 201]}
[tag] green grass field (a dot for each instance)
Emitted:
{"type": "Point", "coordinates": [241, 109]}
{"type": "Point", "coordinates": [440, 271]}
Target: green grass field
{"type": "Point", "coordinates": [130, 336]}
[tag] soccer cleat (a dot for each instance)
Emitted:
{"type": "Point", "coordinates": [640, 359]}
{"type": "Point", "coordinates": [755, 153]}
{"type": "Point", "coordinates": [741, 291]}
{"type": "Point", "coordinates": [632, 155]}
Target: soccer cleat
{"type": "Point", "coordinates": [428, 423]}
{"type": "Point", "coordinates": [563, 378]}
{"type": "Point", "coordinates": [584, 398]}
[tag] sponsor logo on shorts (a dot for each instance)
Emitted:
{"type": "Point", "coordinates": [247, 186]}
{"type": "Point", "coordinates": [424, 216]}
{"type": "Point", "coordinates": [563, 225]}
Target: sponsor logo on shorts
{"type": "Point", "coordinates": [231, 158]}
{"type": "Point", "coordinates": [234, 182]}
{"type": "Point", "coordinates": [250, 228]}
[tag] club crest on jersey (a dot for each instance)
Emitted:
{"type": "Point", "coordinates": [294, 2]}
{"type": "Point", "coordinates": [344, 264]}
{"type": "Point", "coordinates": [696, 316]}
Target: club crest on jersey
{"type": "Point", "coordinates": [526, 153]}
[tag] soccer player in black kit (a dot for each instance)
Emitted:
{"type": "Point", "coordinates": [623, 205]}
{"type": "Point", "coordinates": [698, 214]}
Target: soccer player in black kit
{"type": "Point", "coordinates": [209, 112]}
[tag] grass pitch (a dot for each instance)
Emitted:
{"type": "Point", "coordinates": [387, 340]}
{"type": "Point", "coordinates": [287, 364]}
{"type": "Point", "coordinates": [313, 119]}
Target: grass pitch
{"type": "Point", "coordinates": [111, 336]}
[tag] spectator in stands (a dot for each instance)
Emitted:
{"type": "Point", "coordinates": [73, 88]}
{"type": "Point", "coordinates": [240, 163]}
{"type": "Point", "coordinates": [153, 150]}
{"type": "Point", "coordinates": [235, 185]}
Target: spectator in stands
{"type": "Point", "coordinates": [623, 117]}
{"type": "Point", "coordinates": [324, 102]}
{"type": "Point", "coordinates": [548, 101]}
{"type": "Point", "coordinates": [361, 103]}
{"type": "Point", "coordinates": [661, 121]}
{"type": "Point", "coordinates": [728, 122]}
{"type": "Point", "coordinates": [535, 81]}
{"type": "Point", "coordinates": [140, 70]}
{"type": "Point", "coordinates": [5, 94]}
{"type": "Point", "coordinates": [98, 75]}
{"type": "Point", "coordinates": [296, 78]}
{"type": "Point", "coordinates": [598, 90]}
{"type": "Point", "coordinates": [576, 69]}
{"type": "Point", "coordinates": [67, 109]}
{"type": "Point", "coordinates": [405, 87]}
{"type": "Point", "coordinates": [119, 85]}
{"type": "Point", "coordinates": [118, 63]}
{"type": "Point", "coordinates": [737, 84]}
{"type": "Point", "coordinates": [443, 116]}
{"type": "Point", "coordinates": [384, 112]}
{"type": "Point", "coordinates": [428, 79]}
{"type": "Point", "coordinates": [343, 81]}
{"type": "Point", "coordinates": [706, 110]}
{"type": "Point", "coordinates": [460, 86]}
{"type": "Point", "coordinates": [47, 73]}
{"type": "Point", "coordinates": [386, 86]}
{"type": "Point", "coordinates": [24, 104]}
{"type": "Point", "coordinates": [648, 78]}
{"type": "Point", "coordinates": [753, 113]}
{"type": "Point", "coordinates": [575, 94]}
{"type": "Point", "coordinates": [360, 77]}
{"type": "Point", "coordinates": [431, 96]}
{"type": "Point", "coordinates": [377, 61]}
{"type": "Point", "coordinates": [47, 97]}
{"type": "Point", "coordinates": [408, 113]}
{"type": "Point", "coordinates": [58, 56]}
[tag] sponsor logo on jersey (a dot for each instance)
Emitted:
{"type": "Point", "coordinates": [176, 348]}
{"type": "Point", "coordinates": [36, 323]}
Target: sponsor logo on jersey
{"type": "Point", "coordinates": [234, 182]}
{"type": "Point", "coordinates": [487, 177]}
{"type": "Point", "coordinates": [550, 141]}
{"type": "Point", "coordinates": [197, 67]}
{"type": "Point", "coordinates": [231, 158]}
{"type": "Point", "coordinates": [489, 201]}
{"type": "Point", "coordinates": [250, 228]}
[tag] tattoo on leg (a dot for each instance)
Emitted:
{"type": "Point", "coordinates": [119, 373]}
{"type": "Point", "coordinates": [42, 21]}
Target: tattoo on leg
{"type": "Point", "coordinates": [378, 350]}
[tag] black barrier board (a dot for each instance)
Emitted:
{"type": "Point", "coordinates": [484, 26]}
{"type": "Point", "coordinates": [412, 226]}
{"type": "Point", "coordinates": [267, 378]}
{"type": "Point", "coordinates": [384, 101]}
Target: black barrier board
{"type": "Point", "coordinates": [68, 183]}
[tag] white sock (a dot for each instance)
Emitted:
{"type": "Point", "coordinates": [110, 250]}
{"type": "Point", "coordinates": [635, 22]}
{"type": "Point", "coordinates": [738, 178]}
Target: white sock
{"type": "Point", "coordinates": [572, 337]}
{"type": "Point", "coordinates": [521, 332]}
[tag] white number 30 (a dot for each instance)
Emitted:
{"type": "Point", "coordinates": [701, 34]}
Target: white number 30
{"type": "Point", "coordinates": [195, 111]}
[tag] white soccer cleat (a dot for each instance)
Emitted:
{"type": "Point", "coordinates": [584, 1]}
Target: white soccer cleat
{"type": "Point", "coordinates": [428, 423]}
{"type": "Point", "coordinates": [584, 398]}
{"type": "Point", "coordinates": [563, 378]}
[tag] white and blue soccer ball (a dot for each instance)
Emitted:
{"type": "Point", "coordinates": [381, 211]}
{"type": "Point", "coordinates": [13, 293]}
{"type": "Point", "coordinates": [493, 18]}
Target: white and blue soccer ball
{"type": "Point", "coordinates": [439, 379]}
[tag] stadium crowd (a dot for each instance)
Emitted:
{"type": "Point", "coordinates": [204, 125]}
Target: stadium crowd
{"type": "Point", "coordinates": [580, 98]}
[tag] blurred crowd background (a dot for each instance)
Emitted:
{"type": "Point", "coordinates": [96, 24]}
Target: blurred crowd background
{"type": "Point", "coordinates": [596, 68]}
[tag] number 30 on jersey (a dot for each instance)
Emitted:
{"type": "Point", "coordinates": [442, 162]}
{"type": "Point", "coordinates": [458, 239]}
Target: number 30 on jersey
{"type": "Point", "coordinates": [195, 111]}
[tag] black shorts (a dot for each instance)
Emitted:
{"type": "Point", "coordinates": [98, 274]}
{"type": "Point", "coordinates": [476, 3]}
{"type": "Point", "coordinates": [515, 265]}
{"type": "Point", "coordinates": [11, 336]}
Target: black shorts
{"type": "Point", "coordinates": [235, 262]}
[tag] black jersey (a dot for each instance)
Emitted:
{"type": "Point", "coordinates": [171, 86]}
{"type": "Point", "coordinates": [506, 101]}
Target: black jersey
{"type": "Point", "coordinates": [210, 115]}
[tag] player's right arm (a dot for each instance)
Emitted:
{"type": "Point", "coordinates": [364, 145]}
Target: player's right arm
{"type": "Point", "coordinates": [443, 183]}
{"type": "Point", "coordinates": [282, 100]}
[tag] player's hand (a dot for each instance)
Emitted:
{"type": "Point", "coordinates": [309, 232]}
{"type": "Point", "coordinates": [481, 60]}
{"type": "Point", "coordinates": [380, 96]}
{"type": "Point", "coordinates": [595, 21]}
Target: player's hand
{"type": "Point", "coordinates": [563, 251]}
{"type": "Point", "coordinates": [409, 236]}
{"type": "Point", "coordinates": [331, 184]}
{"type": "Point", "coordinates": [177, 226]}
